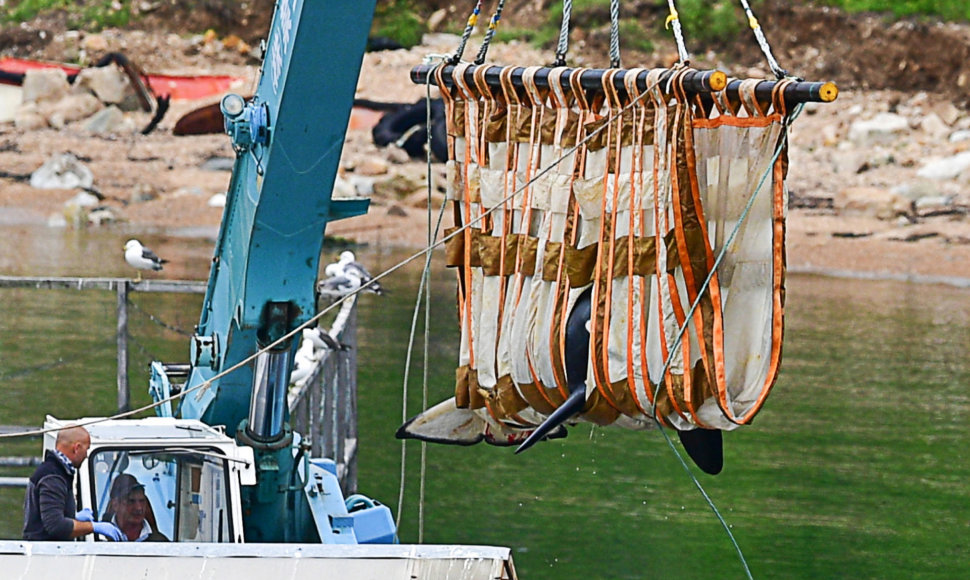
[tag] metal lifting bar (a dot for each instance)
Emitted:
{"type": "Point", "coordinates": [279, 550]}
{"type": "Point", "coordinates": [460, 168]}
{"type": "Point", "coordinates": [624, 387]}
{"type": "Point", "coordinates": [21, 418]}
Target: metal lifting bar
{"type": "Point", "coordinates": [694, 81]}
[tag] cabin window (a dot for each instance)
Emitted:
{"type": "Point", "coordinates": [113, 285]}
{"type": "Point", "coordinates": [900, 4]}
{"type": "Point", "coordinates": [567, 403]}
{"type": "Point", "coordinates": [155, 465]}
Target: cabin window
{"type": "Point", "coordinates": [174, 494]}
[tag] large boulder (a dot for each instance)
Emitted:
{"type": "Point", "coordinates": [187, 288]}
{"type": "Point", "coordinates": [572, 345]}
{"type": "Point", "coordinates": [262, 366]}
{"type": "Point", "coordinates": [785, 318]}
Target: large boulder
{"type": "Point", "coordinates": [45, 84]}
{"type": "Point", "coordinates": [110, 84]}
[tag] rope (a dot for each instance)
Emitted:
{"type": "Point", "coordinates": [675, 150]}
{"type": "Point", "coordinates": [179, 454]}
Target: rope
{"type": "Point", "coordinates": [759, 35]}
{"type": "Point", "coordinates": [424, 288]}
{"type": "Point", "coordinates": [469, 27]}
{"type": "Point", "coordinates": [683, 329]}
{"type": "Point", "coordinates": [492, 26]}
{"type": "Point", "coordinates": [563, 47]}
{"type": "Point", "coordinates": [673, 20]}
{"type": "Point", "coordinates": [158, 321]}
{"type": "Point", "coordinates": [427, 313]}
{"type": "Point", "coordinates": [614, 33]}
{"type": "Point", "coordinates": [202, 387]}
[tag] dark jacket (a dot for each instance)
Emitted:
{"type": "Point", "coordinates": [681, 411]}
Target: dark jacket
{"type": "Point", "coordinates": [49, 506]}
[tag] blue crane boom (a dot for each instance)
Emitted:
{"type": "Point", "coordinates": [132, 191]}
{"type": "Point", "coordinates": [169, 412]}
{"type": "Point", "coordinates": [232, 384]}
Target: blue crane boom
{"type": "Point", "coordinates": [288, 139]}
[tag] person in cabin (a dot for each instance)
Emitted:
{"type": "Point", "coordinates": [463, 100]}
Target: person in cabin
{"type": "Point", "coordinates": [130, 510]}
{"type": "Point", "coordinates": [49, 506]}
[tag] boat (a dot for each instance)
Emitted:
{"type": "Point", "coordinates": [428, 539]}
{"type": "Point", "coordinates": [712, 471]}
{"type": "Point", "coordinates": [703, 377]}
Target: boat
{"type": "Point", "coordinates": [177, 87]}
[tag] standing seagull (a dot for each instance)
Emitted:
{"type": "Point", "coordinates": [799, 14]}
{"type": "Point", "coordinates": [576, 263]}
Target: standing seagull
{"type": "Point", "coordinates": [140, 257]}
{"type": "Point", "coordinates": [353, 269]}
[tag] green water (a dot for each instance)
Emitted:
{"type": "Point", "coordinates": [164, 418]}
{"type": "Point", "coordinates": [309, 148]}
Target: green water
{"type": "Point", "coordinates": [856, 467]}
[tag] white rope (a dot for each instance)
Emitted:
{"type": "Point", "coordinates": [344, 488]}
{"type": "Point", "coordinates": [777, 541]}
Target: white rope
{"type": "Point", "coordinates": [563, 47]}
{"type": "Point", "coordinates": [673, 21]}
{"type": "Point", "coordinates": [614, 33]}
{"type": "Point", "coordinates": [759, 35]}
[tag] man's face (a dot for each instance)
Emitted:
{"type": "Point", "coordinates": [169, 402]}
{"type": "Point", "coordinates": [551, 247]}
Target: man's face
{"type": "Point", "coordinates": [131, 510]}
{"type": "Point", "coordinates": [79, 451]}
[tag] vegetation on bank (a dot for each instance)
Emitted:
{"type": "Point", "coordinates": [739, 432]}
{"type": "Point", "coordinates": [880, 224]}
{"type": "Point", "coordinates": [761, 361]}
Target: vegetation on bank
{"type": "Point", "coordinates": [404, 21]}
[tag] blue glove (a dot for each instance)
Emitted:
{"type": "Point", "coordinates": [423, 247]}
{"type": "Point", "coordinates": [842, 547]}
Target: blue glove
{"type": "Point", "coordinates": [110, 531]}
{"type": "Point", "coordinates": [85, 515]}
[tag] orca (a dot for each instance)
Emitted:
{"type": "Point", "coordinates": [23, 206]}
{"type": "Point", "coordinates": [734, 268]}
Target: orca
{"type": "Point", "coordinates": [704, 446]}
{"type": "Point", "coordinates": [577, 365]}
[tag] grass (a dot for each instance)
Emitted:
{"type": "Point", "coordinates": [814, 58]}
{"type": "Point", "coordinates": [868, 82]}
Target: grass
{"type": "Point", "coordinates": [946, 9]}
{"type": "Point", "coordinates": [398, 21]}
{"type": "Point", "coordinates": [94, 16]}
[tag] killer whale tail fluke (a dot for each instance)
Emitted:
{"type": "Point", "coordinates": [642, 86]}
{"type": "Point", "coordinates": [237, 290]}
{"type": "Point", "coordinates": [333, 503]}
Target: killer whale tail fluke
{"type": "Point", "coordinates": [705, 447]}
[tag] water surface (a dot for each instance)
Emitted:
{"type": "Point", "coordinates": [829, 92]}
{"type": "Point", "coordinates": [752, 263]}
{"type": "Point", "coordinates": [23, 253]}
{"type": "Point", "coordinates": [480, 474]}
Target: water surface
{"type": "Point", "coordinates": [856, 467]}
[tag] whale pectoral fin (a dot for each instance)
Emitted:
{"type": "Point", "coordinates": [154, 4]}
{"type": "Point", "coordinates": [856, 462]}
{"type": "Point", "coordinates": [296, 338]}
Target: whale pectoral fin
{"type": "Point", "coordinates": [568, 410]}
{"type": "Point", "coordinates": [445, 423]}
{"type": "Point", "coordinates": [705, 447]}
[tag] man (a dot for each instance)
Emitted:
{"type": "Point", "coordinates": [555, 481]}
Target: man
{"type": "Point", "coordinates": [49, 506]}
{"type": "Point", "coordinates": [130, 511]}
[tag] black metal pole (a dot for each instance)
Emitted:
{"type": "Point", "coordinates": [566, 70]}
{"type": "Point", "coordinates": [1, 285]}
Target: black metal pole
{"type": "Point", "coordinates": [694, 82]}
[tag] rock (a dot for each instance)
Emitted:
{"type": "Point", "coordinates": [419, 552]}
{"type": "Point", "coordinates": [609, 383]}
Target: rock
{"type": "Point", "coordinates": [419, 199]}
{"type": "Point", "coordinates": [217, 200]}
{"type": "Point", "coordinates": [436, 19]}
{"type": "Point", "coordinates": [397, 211]}
{"type": "Point", "coordinates": [73, 108]}
{"type": "Point", "coordinates": [915, 190]}
{"type": "Point", "coordinates": [44, 84]}
{"type": "Point", "coordinates": [218, 164]}
{"type": "Point", "coordinates": [110, 85]}
{"type": "Point", "coordinates": [397, 155]}
{"type": "Point", "coordinates": [62, 171]}
{"type": "Point", "coordinates": [233, 42]}
{"type": "Point", "coordinates": [83, 199]}
{"type": "Point", "coordinates": [188, 190]}
{"type": "Point", "coordinates": [342, 189]}
{"type": "Point", "coordinates": [873, 202]}
{"type": "Point", "coordinates": [934, 126]}
{"type": "Point", "coordinates": [947, 112]}
{"type": "Point", "coordinates": [848, 162]}
{"type": "Point", "coordinates": [947, 167]}
{"type": "Point", "coordinates": [102, 215]}
{"type": "Point", "coordinates": [143, 192]}
{"type": "Point", "coordinates": [933, 204]}
{"type": "Point", "coordinates": [363, 185]}
{"type": "Point", "coordinates": [960, 135]}
{"type": "Point", "coordinates": [29, 118]}
{"type": "Point", "coordinates": [107, 120]}
{"type": "Point", "coordinates": [372, 166]}
{"type": "Point", "coordinates": [882, 128]}
{"type": "Point", "coordinates": [94, 43]}
{"type": "Point", "coordinates": [395, 187]}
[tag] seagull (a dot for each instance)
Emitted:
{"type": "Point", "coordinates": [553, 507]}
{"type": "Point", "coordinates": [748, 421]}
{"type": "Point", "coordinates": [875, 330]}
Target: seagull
{"type": "Point", "coordinates": [140, 257]}
{"type": "Point", "coordinates": [337, 282]}
{"type": "Point", "coordinates": [354, 269]}
{"type": "Point", "coordinates": [321, 339]}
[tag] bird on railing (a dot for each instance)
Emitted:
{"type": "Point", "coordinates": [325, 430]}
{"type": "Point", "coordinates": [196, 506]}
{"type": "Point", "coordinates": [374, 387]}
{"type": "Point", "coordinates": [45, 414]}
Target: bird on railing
{"type": "Point", "coordinates": [142, 258]}
{"type": "Point", "coordinates": [346, 276]}
{"type": "Point", "coordinates": [337, 282]}
{"type": "Point", "coordinates": [351, 268]}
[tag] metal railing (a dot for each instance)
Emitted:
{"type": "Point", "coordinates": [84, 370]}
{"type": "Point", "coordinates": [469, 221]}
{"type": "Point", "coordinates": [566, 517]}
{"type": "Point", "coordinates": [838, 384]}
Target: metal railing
{"type": "Point", "coordinates": [323, 407]}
